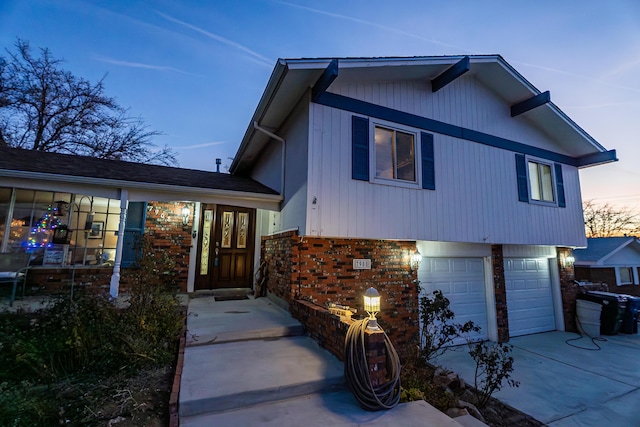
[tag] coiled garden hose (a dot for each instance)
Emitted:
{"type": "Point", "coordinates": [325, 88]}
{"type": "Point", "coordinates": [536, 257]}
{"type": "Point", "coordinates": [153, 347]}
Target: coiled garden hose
{"type": "Point", "coordinates": [356, 371]}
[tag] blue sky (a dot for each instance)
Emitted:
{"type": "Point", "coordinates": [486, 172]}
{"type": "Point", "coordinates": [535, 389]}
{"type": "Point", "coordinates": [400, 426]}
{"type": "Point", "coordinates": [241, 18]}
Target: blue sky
{"type": "Point", "coordinates": [195, 70]}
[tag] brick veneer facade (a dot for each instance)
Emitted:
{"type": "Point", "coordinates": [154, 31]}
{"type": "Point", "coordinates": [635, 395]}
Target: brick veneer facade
{"type": "Point", "coordinates": [570, 289]}
{"type": "Point", "coordinates": [164, 226]}
{"type": "Point", "coordinates": [500, 292]}
{"type": "Point", "coordinates": [320, 270]}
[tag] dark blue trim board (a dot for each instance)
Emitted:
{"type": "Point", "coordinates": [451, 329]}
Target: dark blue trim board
{"type": "Point", "coordinates": [530, 103]}
{"type": "Point", "coordinates": [450, 74]}
{"type": "Point", "coordinates": [328, 76]}
{"type": "Point", "coordinates": [384, 113]}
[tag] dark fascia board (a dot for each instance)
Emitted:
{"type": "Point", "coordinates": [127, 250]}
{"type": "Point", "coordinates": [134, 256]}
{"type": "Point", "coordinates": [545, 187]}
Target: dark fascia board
{"type": "Point", "coordinates": [597, 158]}
{"type": "Point", "coordinates": [530, 103]}
{"type": "Point", "coordinates": [384, 113]}
{"type": "Point", "coordinates": [328, 76]}
{"type": "Point", "coordinates": [450, 74]}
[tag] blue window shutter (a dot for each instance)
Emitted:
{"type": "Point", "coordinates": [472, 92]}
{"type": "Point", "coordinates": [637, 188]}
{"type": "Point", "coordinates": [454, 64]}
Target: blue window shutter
{"type": "Point", "coordinates": [428, 161]}
{"type": "Point", "coordinates": [359, 148]}
{"type": "Point", "coordinates": [133, 231]}
{"type": "Point", "coordinates": [521, 172]}
{"type": "Point", "coordinates": [560, 186]}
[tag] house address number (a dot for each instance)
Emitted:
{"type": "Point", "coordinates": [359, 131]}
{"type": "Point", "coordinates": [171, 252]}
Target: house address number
{"type": "Point", "coordinates": [362, 264]}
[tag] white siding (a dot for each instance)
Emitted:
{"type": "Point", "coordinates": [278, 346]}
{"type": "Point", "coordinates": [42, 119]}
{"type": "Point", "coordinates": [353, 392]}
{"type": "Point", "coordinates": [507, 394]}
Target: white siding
{"type": "Point", "coordinates": [295, 132]}
{"type": "Point", "coordinates": [476, 192]}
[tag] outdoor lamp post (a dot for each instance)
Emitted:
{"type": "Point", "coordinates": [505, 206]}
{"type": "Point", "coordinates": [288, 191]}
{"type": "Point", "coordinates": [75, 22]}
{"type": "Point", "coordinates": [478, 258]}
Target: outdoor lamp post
{"type": "Point", "coordinates": [372, 306]}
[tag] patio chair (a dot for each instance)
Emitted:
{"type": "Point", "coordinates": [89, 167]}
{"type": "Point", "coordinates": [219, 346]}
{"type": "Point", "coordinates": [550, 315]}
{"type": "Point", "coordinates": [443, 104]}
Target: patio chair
{"type": "Point", "coordinates": [13, 270]}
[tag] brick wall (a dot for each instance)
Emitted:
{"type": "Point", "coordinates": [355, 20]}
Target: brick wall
{"type": "Point", "coordinates": [570, 290]}
{"type": "Point", "coordinates": [608, 276]}
{"type": "Point", "coordinates": [164, 226]}
{"type": "Point", "coordinates": [320, 270]}
{"type": "Point", "coordinates": [500, 291]}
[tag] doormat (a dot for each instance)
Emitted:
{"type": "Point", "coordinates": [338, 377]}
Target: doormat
{"type": "Point", "coordinates": [231, 298]}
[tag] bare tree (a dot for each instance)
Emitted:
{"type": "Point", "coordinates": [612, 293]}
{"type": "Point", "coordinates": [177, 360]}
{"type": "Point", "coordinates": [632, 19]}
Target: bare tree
{"type": "Point", "coordinates": [46, 108]}
{"type": "Point", "coordinates": [604, 220]}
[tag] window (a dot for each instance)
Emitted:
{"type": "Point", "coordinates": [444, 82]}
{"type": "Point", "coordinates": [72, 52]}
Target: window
{"type": "Point", "coordinates": [626, 275]}
{"type": "Point", "coordinates": [540, 182]}
{"type": "Point", "coordinates": [395, 154]}
{"type": "Point", "coordinates": [397, 157]}
{"type": "Point", "coordinates": [59, 228]}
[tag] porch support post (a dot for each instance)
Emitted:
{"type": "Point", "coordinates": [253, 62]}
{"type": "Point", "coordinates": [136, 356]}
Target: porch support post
{"type": "Point", "coordinates": [115, 276]}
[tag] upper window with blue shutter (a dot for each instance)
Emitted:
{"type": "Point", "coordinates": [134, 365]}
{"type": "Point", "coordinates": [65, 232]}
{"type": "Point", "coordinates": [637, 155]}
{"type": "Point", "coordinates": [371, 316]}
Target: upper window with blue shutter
{"type": "Point", "coordinates": [539, 181]}
{"type": "Point", "coordinates": [386, 153]}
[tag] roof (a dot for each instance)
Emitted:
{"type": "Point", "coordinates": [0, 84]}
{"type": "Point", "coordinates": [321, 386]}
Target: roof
{"type": "Point", "coordinates": [598, 249]}
{"type": "Point", "coordinates": [292, 78]}
{"type": "Point", "coordinates": [28, 164]}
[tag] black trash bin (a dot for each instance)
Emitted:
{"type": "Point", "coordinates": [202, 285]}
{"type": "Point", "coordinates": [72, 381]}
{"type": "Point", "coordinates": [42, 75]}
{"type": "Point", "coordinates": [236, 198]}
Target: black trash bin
{"type": "Point", "coordinates": [630, 317]}
{"type": "Point", "coordinates": [613, 309]}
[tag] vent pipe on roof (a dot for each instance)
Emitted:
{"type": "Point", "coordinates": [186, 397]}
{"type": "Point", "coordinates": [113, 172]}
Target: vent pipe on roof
{"type": "Point", "coordinates": [218, 163]}
{"type": "Point", "coordinates": [282, 141]}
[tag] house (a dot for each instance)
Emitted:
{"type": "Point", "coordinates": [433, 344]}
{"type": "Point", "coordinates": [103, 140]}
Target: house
{"type": "Point", "coordinates": [457, 157]}
{"type": "Point", "coordinates": [611, 260]}
{"type": "Point", "coordinates": [407, 174]}
{"type": "Point", "coordinates": [80, 218]}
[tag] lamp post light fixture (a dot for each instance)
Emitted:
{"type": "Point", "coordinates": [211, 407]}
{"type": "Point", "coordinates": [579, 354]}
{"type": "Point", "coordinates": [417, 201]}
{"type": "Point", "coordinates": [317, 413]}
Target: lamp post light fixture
{"type": "Point", "coordinates": [372, 306]}
{"type": "Point", "coordinates": [185, 215]}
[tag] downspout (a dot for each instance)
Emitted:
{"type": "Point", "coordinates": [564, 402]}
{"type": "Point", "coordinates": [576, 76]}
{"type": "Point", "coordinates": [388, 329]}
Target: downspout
{"type": "Point", "coordinates": [277, 138]}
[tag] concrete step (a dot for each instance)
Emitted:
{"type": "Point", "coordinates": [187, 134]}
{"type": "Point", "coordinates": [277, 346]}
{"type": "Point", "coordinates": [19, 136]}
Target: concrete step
{"type": "Point", "coordinates": [234, 375]}
{"type": "Point", "coordinates": [214, 322]}
{"type": "Point", "coordinates": [338, 409]}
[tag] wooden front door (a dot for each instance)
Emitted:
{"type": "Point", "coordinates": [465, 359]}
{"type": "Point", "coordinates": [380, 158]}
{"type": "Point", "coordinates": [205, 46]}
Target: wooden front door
{"type": "Point", "coordinates": [225, 247]}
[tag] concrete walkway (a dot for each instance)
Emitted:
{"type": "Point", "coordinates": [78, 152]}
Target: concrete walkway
{"type": "Point", "coordinates": [247, 363]}
{"type": "Point", "coordinates": [562, 385]}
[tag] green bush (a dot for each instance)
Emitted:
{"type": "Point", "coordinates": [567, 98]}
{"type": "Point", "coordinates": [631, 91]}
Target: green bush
{"type": "Point", "coordinates": [494, 366]}
{"type": "Point", "coordinates": [438, 329]}
{"type": "Point", "coordinates": [51, 355]}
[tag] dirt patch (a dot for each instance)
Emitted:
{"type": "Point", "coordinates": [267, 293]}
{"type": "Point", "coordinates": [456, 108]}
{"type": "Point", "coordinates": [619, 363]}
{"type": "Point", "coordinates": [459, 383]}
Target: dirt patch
{"type": "Point", "coordinates": [124, 401]}
{"type": "Point", "coordinates": [453, 396]}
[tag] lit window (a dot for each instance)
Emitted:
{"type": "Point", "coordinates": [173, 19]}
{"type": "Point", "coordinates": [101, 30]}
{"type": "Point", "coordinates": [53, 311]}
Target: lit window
{"type": "Point", "coordinates": [541, 182]}
{"type": "Point", "coordinates": [395, 154]}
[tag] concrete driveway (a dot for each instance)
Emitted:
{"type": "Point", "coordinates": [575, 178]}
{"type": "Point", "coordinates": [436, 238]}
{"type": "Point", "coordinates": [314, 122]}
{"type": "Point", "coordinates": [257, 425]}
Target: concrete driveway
{"type": "Point", "coordinates": [563, 385]}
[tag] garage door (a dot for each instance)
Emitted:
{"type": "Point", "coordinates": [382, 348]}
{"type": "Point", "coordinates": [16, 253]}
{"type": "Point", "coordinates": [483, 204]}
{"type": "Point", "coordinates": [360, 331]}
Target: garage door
{"type": "Point", "coordinates": [529, 297]}
{"type": "Point", "coordinates": [461, 280]}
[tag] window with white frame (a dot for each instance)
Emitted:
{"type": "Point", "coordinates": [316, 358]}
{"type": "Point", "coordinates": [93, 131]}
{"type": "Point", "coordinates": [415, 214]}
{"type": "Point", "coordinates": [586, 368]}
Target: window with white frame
{"type": "Point", "coordinates": [395, 154]}
{"type": "Point", "coordinates": [626, 275]}
{"type": "Point", "coordinates": [540, 181]}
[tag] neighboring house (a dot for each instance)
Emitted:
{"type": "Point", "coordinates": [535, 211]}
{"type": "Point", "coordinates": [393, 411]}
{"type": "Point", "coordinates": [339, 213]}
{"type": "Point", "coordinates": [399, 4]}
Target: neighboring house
{"type": "Point", "coordinates": [347, 168]}
{"type": "Point", "coordinates": [611, 260]}
{"type": "Point", "coordinates": [459, 157]}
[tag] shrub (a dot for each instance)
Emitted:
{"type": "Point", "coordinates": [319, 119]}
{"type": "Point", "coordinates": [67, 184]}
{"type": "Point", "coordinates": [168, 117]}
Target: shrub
{"type": "Point", "coordinates": [438, 327]}
{"type": "Point", "coordinates": [494, 365]}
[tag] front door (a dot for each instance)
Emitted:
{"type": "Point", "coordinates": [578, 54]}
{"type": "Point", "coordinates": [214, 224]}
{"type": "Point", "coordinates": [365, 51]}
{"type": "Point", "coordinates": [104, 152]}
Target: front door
{"type": "Point", "coordinates": [225, 247]}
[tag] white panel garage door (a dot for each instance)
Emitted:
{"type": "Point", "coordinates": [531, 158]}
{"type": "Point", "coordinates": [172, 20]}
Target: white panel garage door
{"type": "Point", "coordinates": [461, 280]}
{"type": "Point", "coordinates": [529, 297]}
